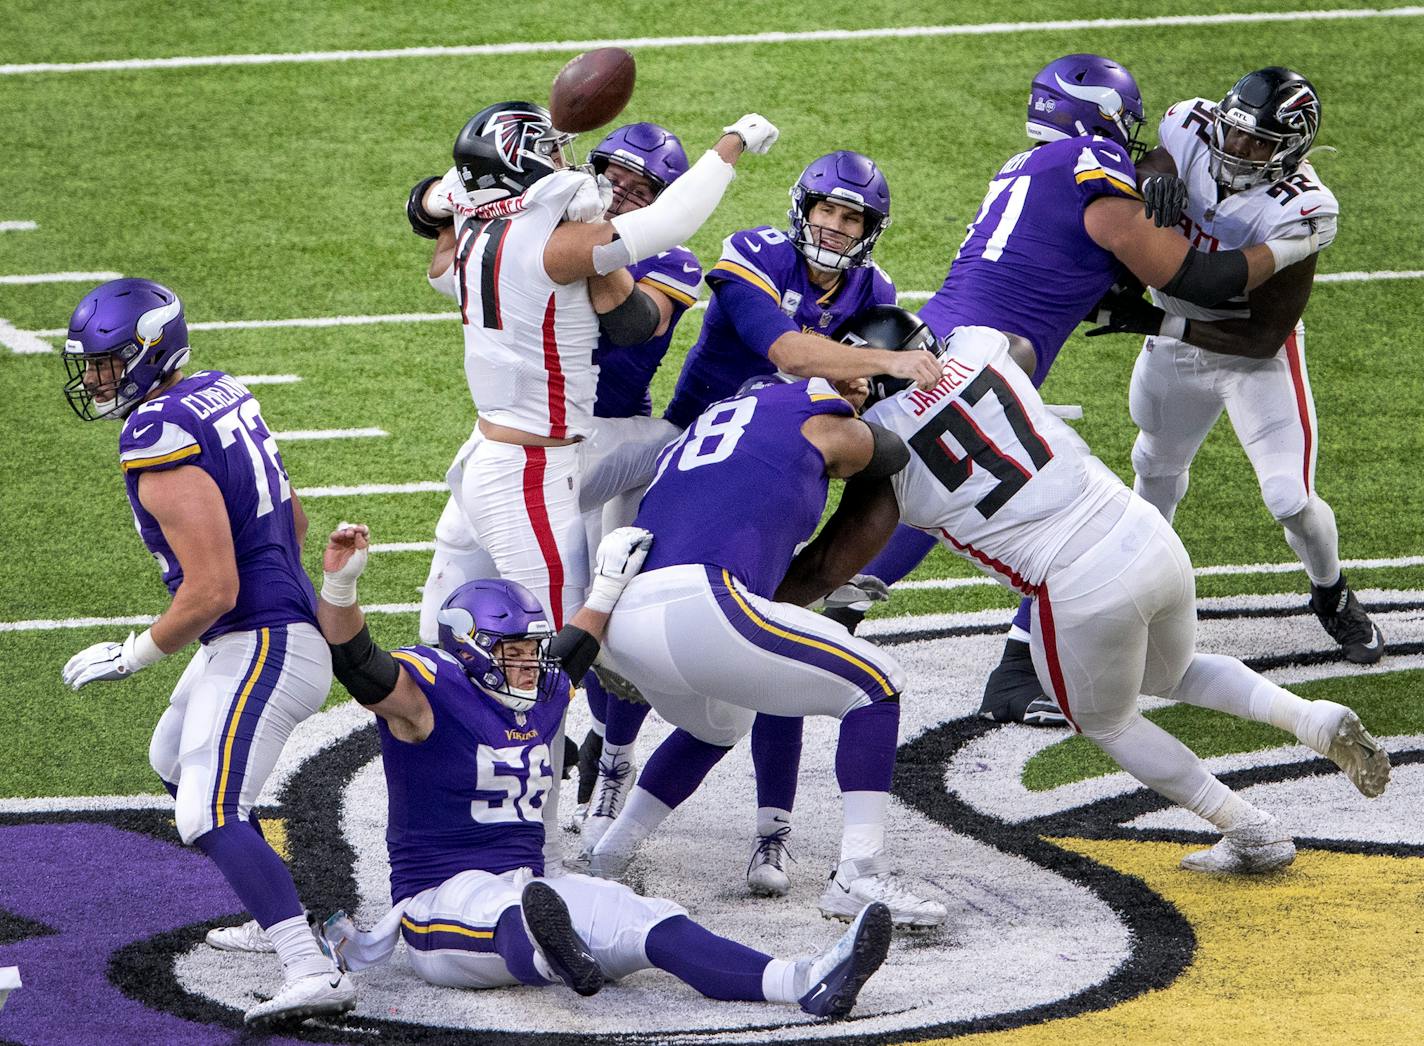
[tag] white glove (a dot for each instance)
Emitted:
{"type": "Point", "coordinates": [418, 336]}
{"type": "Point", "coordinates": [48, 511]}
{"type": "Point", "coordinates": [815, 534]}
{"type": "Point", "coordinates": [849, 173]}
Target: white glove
{"type": "Point", "coordinates": [592, 197]}
{"type": "Point", "coordinates": [620, 557]}
{"type": "Point", "coordinates": [758, 134]}
{"type": "Point", "coordinates": [857, 594]}
{"type": "Point", "coordinates": [338, 587]}
{"type": "Point", "coordinates": [111, 660]}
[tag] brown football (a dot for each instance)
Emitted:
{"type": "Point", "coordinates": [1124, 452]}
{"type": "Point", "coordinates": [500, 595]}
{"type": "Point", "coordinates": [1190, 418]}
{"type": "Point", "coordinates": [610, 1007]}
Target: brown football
{"type": "Point", "coordinates": [592, 89]}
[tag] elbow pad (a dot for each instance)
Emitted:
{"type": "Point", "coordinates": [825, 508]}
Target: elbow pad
{"type": "Point", "coordinates": [888, 457]}
{"type": "Point", "coordinates": [677, 213]}
{"type": "Point", "coordinates": [632, 322]}
{"type": "Point", "coordinates": [1206, 278]}
{"type": "Point", "coordinates": [575, 649]}
{"type": "Point", "coordinates": [364, 669]}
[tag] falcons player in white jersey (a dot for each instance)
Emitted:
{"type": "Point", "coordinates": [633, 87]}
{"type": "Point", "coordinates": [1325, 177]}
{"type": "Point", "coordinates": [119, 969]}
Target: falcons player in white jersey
{"type": "Point", "coordinates": [1009, 486]}
{"type": "Point", "coordinates": [1233, 174]}
{"type": "Point", "coordinates": [523, 246]}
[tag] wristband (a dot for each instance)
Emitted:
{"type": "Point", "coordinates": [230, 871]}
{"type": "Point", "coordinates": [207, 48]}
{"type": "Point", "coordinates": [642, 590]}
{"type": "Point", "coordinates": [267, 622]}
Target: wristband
{"type": "Point", "coordinates": [1287, 252]}
{"type": "Point", "coordinates": [338, 591]}
{"type": "Point", "coordinates": [140, 650]}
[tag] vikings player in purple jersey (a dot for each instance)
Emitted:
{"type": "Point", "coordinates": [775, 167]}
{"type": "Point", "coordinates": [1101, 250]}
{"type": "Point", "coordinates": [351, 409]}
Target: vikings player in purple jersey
{"type": "Point", "coordinates": [465, 733]}
{"type": "Point", "coordinates": [699, 632]}
{"type": "Point", "coordinates": [212, 502]}
{"type": "Point", "coordinates": [1057, 227]}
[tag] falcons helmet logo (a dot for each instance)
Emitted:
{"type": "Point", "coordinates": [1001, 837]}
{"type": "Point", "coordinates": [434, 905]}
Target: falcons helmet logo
{"type": "Point", "coordinates": [514, 133]}
{"type": "Point", "coordinates": [1301, 111]}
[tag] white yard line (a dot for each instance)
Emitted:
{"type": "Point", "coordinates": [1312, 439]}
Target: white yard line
{"type": "Point", "coordinates": [404, 546]}
{"type": "Point", "coordinates": [60, 277]}
{"type": "Point", "coordinates": [939, 583]}
{"type": "Point", "coordinates": [268, 379]}
{"type": "Point", "coordinates": [434, 317]}
{"type": "Point", "coordinates": [22, 343]}
{"type": "Point", "coordinates": [18, 226]}
{"type": "Point", "coordinates": [644, 43]}
{"type": "Point", "coordinates": [318, 434]}
{"type": "Point", "coordinates": [371, 488]}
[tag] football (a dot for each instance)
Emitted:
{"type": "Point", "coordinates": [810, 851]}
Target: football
{"type": "Point", "coordinates": [592, 89]}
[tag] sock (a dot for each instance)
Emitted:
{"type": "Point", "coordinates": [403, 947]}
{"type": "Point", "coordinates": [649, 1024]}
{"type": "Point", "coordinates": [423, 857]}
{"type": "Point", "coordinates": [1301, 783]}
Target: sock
{"type": "Point", "coordinates": [172, 789]}
{"type": "Point", "coordinates": [1161, 762]}
{"type": "Point", "coordinates": [625, 720]}
{"type": "Point", "coordinates": [901, 554]}
{"type": "Point", "coordinates": [771, 820]}
{"type": "Point", "coordinates": [776, 758]}
{"type": "Point", "coordinates": [297, 948]}
{"type": "Point", "coordinates": [254, 871]}
{"type": "Point", "coordinates": [677, 767]}
{"type": "Point", "coordinates": [256, 824]}
{"type": "Point", "coordinates": [1313, 536]}
{"type": "Point", "coordinates": [641, 814]}
{"type": "Point", "coordinates": [864, 832]}
{"type": "Point", "coordinates": [597, 699]}
{"type": "Point", "coordinates": [512, 943]}
{"type": "Point", "coordinates": [1226, 685]}
{"type": "Point", "coordinates": [1164, 493]}
{"type": "Point", "coordinates": [1023, 621]}
{"type": "Point", "coordinates": [784, 980]}
{"type": "Point", "coordinates": [717, 967]}
{"type": "Point", "coordinates": [865, 753]}
{"type": "Point", "coordinates": [1227, 810]}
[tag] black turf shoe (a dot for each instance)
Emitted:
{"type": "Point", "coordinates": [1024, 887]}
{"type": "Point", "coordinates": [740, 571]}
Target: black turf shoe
{"type": "Point", "coordinates": [546, 919]}
{"type": "Point", "coordinates": [1346, 621]}
{"type": "Point", "coordinates": [1013, 693]}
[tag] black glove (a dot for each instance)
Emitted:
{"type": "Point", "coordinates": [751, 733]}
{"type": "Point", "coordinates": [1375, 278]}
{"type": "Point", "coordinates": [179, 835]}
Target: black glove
{"type": "Point", "coordinates": [1164, 197]}
{"type": "Point", "coordinates": [421, 221]}
{"type": "Point", "coordinates": [1123, 310]}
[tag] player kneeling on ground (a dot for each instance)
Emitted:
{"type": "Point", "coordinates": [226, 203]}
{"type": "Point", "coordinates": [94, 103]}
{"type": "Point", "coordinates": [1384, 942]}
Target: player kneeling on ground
{"type": "Point", "coordinates": [465, 734]}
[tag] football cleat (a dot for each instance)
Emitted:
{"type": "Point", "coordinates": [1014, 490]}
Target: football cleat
{"type": "Point", "coordinates": [608, 863]}
{"type": "Point", "coordinates": [834, 979]}
{"type": "Point", "coordinates": [245, 938]}
{"type": "Point", "coordinates": [546, 921]}
{"type": "Point", "coordinates": [1351, 747]}
{"type": "Point", "coordinates": [1342, 616]}
{"type": "Point", "coordinates": [870, 880]}
{"type": "Point", "coordinates": [766, 874]}
{"type": "Point", "coordinates": [589, 753]}
{"type": "Point", "coordinates": [1013, 693]}
{"type": "Point", "coordinates": [311, 996]}
{"type": "Point", "coordinates": [615, 781]}
{"type": "Point", "coordinates": [1261, 846]}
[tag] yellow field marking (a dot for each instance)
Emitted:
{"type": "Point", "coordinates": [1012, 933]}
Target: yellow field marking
{"type": "Point", "coordinates": [1324, 954]}
{"type": "Point", "coordinates": [274, 830]}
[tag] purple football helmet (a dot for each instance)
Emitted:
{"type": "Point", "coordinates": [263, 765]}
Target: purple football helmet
{"type": "Point", "coordinates": [125, 338]}
{"type": "Point", "coordinates": [849, 179]}
{"type": "Point", "coordinates": [1081, 94]}
{"type": "Point", "coordinates": [477, 617]}
{"type": "Point", "coordinates": [646, 149]}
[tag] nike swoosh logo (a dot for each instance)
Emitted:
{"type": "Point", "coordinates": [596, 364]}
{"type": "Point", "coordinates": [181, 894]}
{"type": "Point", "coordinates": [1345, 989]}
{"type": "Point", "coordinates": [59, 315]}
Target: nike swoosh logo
{"type": "Point", "coordinates": [138, 433]}
{"type": "Point", "coordinates": [689, 268]}
{"type": "Point", "coordinates": [1372, 644]}
{"type": "Point", "coordinates": [819, 990]}
{"type": "Point", "coordinates": [755, 248]}
{"type": "Point", "coordinates": [1310, 210]}
{"type": "Point", "coordinates": [336, 983]}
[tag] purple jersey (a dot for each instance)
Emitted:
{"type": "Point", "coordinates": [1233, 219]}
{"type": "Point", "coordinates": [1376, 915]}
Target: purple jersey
{"type": "Point", "coordinates": [742, 487]}
{"type": "Point", "coordinates": [1027, 265]}
{"type": "Point", "coordinates": [763, 259]}
{"type": "Point", "coordinates": [471, 795]}
{"type": "Point", "coordinates": [210, 421]}
{"type": "Point", "coordinates": [626, 371]}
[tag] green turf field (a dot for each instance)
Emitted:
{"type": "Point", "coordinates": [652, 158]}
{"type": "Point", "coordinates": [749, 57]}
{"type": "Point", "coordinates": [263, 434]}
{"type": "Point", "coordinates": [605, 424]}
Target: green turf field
{"type": "Point", "coordinates": [275, 191]}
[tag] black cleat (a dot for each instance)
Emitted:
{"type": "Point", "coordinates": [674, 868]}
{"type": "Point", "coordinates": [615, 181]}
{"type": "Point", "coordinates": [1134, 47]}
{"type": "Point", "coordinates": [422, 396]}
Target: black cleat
{"type": "Point", "coordinates": [1346, 621]}
{"type": "Point", "coordinates": [546, 920]}
{"type": "Point", "coordinates": [1013, 693]}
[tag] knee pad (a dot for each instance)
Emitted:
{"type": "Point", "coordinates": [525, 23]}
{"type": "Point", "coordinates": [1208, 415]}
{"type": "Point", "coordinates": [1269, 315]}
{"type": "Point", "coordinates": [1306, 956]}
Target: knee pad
{"type": "Point", "coordinates": [1151, 461]}
{"type": "Point", "coordinates": [192, 816]}
{"type": "Point", "coordinates": [1284, 496]}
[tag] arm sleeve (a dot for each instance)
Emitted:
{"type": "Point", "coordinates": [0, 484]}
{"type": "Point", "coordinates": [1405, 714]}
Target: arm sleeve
{"type": "Point", "coordinates": [756, 317]}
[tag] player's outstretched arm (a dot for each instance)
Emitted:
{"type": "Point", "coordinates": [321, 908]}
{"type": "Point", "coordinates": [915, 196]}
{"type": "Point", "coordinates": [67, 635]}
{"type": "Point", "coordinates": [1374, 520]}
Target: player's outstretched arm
{"type": "Point", "coordinates": [369, 673]}
{"type": "Point", "coordinates": [813, 356]}
{"type": "Point", "coordinates": [619, 558]}
{"type": "Point", "coordinates": [861, 525]}
{"type": "Point", "coordinates": [577, 250]}
{"type": "Point", "coordinates": [1163, 259]}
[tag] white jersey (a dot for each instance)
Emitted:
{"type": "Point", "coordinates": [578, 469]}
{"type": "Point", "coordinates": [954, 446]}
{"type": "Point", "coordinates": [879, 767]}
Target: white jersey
{"type": "Point", "coordinates": [528, 341]}
{"type": "Point", "coordinates": [1289, 207]}
{"type": "Point", "coordinates": [993, 474]}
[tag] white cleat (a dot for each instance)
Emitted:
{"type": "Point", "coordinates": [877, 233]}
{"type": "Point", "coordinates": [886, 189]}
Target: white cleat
{"type": "Point", "coordinates": [605, 863]}
{"type": "Point", "coordinates": [610, 792]}
{"type": "Point", "coordinates": [302, 997]}
{"type": "Point", "coordinates": [245, 938]}
{"type": "Point", "coordinates": [855, 884]}
{"type": "Point", "coordinates": [1351, 748]}
{"type": "Point", "coordinates": [1253, 849]}
{"type": "Point", "coordinates": [766, 874]}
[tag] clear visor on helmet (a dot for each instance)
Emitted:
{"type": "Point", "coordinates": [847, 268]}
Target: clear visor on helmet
{"type": "Point", "coordinates": [95, 379]}
{"type": "Point", "coordinates": [1243, 155]}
